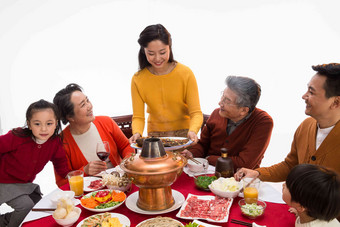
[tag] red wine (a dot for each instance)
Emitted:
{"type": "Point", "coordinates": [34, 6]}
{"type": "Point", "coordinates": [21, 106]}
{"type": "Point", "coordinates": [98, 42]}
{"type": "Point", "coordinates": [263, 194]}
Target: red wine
{"type": "Point", "coordinates": [102, 155]}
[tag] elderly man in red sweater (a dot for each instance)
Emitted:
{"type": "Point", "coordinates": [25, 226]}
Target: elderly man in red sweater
{"type": "Point", "coordinates": [237, 125]}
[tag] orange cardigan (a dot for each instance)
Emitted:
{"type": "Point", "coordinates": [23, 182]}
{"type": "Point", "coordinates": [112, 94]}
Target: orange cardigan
{"type": "Point", "coordinates": [108, 131]}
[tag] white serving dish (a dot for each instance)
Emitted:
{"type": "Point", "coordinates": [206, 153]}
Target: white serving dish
{"type": "Point", "coordinates": [224, 194]}
{"type": "Point", "coordinates": [70, 221]}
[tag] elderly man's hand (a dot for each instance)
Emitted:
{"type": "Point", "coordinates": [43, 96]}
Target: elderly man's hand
{"type": "Point", "coordinates": [244, 172]}
{"type": "Point", "coordinates": [95, 167]}
{"type": "Point", "coordinates": [186, 153]}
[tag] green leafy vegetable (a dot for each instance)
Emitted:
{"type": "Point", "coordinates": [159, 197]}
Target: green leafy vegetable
{"type": "Point", "coordinates": [204, 181]}
{"type": "Point", "coordinates": [191, 225]}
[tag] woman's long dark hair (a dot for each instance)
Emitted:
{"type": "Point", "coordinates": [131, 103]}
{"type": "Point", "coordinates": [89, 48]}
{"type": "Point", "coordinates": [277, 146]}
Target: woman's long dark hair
{"type": "Point", "coordinates": [33, 108]}
{"type": "Point", "coordinates": [151, 33]}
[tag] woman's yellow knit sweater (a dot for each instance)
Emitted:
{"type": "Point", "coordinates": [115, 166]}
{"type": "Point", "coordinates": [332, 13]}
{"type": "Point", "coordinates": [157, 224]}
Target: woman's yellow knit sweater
{"type": "Point", "coordinates": [172, 101]}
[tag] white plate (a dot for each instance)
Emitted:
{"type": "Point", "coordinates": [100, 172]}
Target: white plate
{"type": "Point", "coordinates": [210, 170]}
{"type": "Point", "coordinates": [87, 182]}
{"type": "Point", "coordinates": [102, 210]}
{"type": "Point", "coordinates": [206, 197]}
{"type": "Point", "coordinates": [134, 145]}
{"type": "Point", "coordinates": [179, 223]}
{"type": "Point", "coordinates": [204, 224]}
{"type": "Point", "coordinates": [122, 219]}
{"type": "Point", "coordinates": [131, 203]}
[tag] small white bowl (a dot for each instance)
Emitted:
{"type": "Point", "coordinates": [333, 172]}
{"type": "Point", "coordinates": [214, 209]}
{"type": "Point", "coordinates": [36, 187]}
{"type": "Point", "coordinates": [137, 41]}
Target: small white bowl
{"type": "Point", "coordinates": [123, 188]}
{"type": "Point", "coordinates": [194, 167]}
{"type": "Point", "coordinates": [225, 194]}
{"type": "Point", "coordinates": [61, 194]}
{"type": "Point", "coordinates": [69, 221]}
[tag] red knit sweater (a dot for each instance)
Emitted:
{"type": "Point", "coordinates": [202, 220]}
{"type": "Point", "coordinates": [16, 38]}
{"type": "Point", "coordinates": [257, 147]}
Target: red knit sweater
{"type": "Point", "coordinates": [21, 158]}
{"type": "Point", "coordinates": [246, 144]}
{"type": "Point", "coordinates": [108, 131]}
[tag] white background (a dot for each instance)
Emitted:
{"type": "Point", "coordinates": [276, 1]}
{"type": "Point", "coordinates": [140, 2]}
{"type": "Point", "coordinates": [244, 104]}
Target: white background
{"type": "Point", "coordinates": [46, 44]}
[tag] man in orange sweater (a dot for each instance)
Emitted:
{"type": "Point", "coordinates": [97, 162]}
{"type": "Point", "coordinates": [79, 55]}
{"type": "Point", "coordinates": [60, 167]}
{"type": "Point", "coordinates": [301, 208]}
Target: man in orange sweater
{"type": "Point", "coordinates": [237, 125]}
{"type": "Point", "coordinates": [316, 140]}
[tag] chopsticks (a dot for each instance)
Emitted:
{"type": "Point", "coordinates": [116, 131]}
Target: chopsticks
{"type": "Point", "coordinates": [192, 159]}
{"type": "Point", "coordinates": [195, 161]}
{"type": "Point", "coordinates": [44, 209]}
{"type": "Point", "coordinates": [241, 222]}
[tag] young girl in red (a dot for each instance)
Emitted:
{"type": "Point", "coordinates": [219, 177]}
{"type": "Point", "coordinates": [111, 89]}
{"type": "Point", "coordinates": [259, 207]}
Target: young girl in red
{"type": "Point", "coordinates": [23, 154]}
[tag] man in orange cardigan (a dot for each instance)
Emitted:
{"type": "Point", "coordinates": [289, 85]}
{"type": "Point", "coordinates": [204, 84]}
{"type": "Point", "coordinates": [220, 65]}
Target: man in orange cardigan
{"type": "Point", "coordinates": [316, 140]}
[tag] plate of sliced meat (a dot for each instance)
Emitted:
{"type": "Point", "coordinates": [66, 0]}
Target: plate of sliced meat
{"type": "Point", "coordinates": [92, 184]}
{"type": "Point", "coordinates": [210, 208]}
{"type": "Point", "coordinates": [169, 143]}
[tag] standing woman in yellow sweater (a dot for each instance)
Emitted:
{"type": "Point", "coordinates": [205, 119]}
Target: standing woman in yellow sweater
{"type": "Point", "coordinates": [168, 88]}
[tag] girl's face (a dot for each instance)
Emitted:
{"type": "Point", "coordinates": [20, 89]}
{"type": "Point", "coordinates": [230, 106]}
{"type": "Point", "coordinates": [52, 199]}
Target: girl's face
{"type": "Point", "coordinates": [157, 54]}
{"type": "Point", "coordinates": [43, 124]}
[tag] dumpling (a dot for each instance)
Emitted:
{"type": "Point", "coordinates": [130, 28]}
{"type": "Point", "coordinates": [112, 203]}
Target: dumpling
{"type": "Point", "coordinates": [60, 213]}
{"type": "Point", "coordinates": [71, 214]}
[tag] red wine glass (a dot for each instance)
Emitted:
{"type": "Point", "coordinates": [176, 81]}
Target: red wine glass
{"type": "Point", "coordinates": [103, 150]}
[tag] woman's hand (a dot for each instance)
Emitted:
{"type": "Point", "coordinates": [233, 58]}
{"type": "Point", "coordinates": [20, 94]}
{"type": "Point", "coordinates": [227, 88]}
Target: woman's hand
{"type": "Point", "coordinates": [95, 167]}
{"type": "Point", "coordinates": [187, 154]}
{"type": "Point", "coordinates": [192, 136]}
{"type": "Point", "coordinates": [244, 172]}
{"type": "Point", "coordinates": [134, 137]}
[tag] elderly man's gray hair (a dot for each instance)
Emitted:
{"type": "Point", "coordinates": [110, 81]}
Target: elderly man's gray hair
{"type": "Point", "coordinates": [248, 91]}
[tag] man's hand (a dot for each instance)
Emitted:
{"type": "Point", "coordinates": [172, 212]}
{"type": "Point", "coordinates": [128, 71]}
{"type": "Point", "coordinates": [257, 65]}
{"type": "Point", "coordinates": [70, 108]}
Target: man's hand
{"type": "Point", "coordinates": [244, 172]}
{"type": "Point", "coordinates": [187, 154]}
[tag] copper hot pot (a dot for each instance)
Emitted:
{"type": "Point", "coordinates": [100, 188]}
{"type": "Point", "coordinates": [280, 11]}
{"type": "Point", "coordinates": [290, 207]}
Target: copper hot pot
{"type": "Point", "coordinates": [154, 171]}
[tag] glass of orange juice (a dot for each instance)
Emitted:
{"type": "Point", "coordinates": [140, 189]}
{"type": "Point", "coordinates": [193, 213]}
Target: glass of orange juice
{"type": "Point", "coordinates": [76, 181]}
{"type": "Point", "coordinates": [251, 188]}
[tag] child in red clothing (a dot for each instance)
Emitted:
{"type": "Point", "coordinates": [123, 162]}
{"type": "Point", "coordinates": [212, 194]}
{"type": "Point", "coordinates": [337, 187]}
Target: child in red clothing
{"type": "Point", "coordinates": [23, 154]}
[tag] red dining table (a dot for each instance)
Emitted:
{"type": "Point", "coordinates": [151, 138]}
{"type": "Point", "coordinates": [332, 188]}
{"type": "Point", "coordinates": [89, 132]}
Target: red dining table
{"type": "Point", "coordinates": [275, 215]}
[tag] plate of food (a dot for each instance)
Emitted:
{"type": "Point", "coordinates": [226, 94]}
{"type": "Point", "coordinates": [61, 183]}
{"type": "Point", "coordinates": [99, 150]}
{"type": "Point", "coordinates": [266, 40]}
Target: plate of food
{"type": "Point", "coordinates": [160, 222]}
{"type": "Point", "coordinates": [103, 200]}
{"type": "Point", "coordinates": [93, 184]}
{"type": "Point", "coordinates": [101, 219]}
{"type": "Point", "coordinates": [210, 208]}
{"type": "Point", "coordinates": [169, 143]}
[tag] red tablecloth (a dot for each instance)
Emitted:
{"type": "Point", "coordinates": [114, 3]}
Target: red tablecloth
{"type": "Point", "coordinates": [276, 215]}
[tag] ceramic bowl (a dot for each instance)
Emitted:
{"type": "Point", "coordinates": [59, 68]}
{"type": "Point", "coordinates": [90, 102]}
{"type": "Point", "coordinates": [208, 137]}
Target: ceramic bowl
{"type": "Point", "coordinates": [69, 221]}
{"type": "Point", "coordinates": [252, 211]}
{"type": "Point", "coordinates": [203, 181]}
{"type": "Point", "coordinates": [227, 193]}
{"type": "Point", "coordinates": [194, 167]}
{"type": "Point", "coordinates": [122, 188]}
